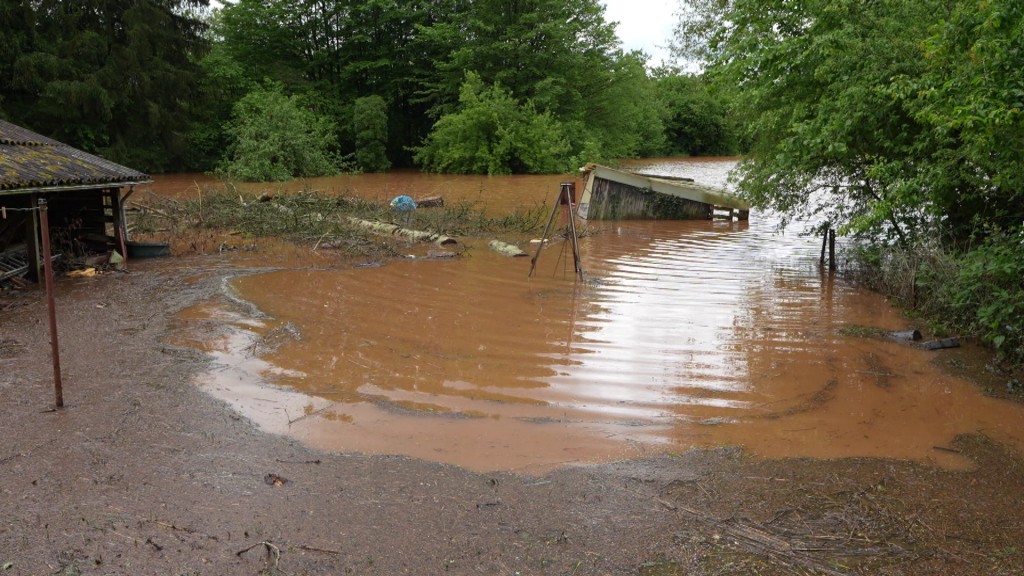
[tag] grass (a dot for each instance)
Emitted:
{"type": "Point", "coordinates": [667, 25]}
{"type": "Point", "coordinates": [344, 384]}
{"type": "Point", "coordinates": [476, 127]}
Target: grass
{"type": "Point", "coordinates": [309, 217]}
{"type": "Point", "coordinates": [972, 291]}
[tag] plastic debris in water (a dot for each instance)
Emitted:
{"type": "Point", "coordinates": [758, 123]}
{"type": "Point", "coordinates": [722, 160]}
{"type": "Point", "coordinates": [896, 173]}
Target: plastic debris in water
{"type": "Point", "coordinates": [403, 204]}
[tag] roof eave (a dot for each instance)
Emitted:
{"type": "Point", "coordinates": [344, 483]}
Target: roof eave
{"type": "Point", "coordinates": [63, 188]}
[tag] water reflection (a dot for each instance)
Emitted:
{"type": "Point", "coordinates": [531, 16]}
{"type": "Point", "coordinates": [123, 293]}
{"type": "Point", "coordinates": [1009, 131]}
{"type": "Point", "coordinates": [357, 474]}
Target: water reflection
{"type": "Point", "coordinates": [685, 334]}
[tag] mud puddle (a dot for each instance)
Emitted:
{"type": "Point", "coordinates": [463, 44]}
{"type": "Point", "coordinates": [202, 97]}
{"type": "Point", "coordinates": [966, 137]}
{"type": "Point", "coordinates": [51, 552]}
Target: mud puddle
{"type": "Point", "coordinates": [685, 334]}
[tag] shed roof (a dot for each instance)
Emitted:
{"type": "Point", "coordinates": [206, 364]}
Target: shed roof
{"type": "Point", "coordinates": [30, 161]}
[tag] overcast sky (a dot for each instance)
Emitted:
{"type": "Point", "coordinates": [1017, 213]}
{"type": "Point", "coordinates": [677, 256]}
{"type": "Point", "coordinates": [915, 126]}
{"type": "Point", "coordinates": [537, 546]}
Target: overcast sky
{"type": "Point", "coordinates": [643, 25]}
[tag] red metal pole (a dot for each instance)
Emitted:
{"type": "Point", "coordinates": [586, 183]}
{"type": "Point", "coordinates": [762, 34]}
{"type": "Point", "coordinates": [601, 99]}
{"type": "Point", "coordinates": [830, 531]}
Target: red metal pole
{"type": "Point", "coordinates": [44, 223]}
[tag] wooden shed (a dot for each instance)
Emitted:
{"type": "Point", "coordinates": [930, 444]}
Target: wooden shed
{"type": "Point", "coordinates": [610, 194]}
{"type": "Point", "coordinates": [84, 195]}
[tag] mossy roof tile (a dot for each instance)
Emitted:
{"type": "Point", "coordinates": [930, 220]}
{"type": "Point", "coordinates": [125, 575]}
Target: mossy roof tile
{"type": "Point", "coordinates": [29, 161]}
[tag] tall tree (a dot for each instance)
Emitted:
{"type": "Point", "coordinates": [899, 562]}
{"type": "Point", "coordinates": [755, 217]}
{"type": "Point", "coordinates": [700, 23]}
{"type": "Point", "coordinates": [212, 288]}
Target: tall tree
{"type": "Point", "coordinates": [110, 76]}
{"type": "Point", "coordinates": [815, 87]}
{"type": "Point", "coordinates": [972, 97]}
{"type": "Point", "coordinates": [492, 133]}
{"type": "Point", "coordinates": [17, 20]}
{"type": "Point", "coordinates": [697, 119]}
{"type": "Point", "coordinates": [370, 124]}
{"type": "Point", "coordinates": [553, 57]}
{"type": "Point", "coordinates": [336, 51]}
{"type": "Point", "coordinates": [562, 58]}
{"type": "Point", "coordinates": [273, 137]}
{"type": "Point", "coordinates": [548, 51]}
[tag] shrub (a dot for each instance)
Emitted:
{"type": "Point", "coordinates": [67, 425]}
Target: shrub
{"type": "Point", "coordinates": [273, 138]}
{"type": "Point", "coordinates": [492, 133]}
{"type": "Point", "coordinates": [976, 292]}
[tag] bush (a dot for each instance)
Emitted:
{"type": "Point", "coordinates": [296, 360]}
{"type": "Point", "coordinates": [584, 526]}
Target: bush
{"type": "Point", "coordinates": [491, 133]}
{"type": "Point", "coordinates": [976, 292]}
{"type": "Point", "coordinates": [273, 138]}
{"type": "Point", "coordinates": [986, 296]}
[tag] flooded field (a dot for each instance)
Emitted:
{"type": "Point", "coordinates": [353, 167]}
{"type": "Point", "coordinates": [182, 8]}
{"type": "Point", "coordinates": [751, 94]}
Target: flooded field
{"type": "Point", "coordinates": [684, 334]}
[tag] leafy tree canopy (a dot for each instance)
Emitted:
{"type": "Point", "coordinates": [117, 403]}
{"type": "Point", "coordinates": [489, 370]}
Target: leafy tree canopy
{"type": "Point", "coordinates": [274, 138]}
{"type": "Point", "coordinates": [371, 131]}
{"type": "Point", "coordinates": [153, 83]}
{"type": "Point", "coordinates": [558, 57]}
{"type": "Point", "coordinates": [897, 119]}
{"type": "Point", "coordinates": [337, 51]}
{"type": "Point", "coordinates": [112, 76]}
{"type": "Point", "coordinates": [491, 133]}
{"type": "Point", "coordinates": [891, 117]}
{"type": "Point", "coordinates": [697, 120]}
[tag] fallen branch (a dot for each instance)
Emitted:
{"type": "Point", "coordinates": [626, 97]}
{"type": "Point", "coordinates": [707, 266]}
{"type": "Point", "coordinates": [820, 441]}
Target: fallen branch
{"type": "Point", "coordinates": [396, 230]}
{"type": "Point", "coordinates": [156, 211]}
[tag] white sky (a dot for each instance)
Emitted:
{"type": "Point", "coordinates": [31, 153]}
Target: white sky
{"type": "Point", "coordinates": [643, 25]}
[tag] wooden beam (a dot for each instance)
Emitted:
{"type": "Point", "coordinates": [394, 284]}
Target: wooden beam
{"type": "Point", "coordinates": [32, 238]}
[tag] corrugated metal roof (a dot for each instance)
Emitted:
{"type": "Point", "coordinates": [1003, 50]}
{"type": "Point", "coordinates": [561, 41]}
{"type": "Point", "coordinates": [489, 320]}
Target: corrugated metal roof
{"type": "Point", "coordinates": [30, 161]}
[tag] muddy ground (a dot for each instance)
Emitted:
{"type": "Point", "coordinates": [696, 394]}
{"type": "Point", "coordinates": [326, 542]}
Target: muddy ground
{"type": "Point", "coordinates": [143, 473]}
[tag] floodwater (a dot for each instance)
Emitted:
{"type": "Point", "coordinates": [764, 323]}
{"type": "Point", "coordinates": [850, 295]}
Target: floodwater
{"type": "Point", "coordinates": [683, 334]}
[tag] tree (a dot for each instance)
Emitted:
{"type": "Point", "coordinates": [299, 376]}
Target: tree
{"type": "Point", "coordinates": [971, 95]}
{"type": "Point", "coordinates": [223, 82]}
{"type": "Point", "coordinates": [697, 121]}
{"type": "Point", "coordinates": [564, 59]}
{"type": "Point", "coordinates": [621, 116]}
{"type": "Point", "coordinates": [334, 52]}
{"type": "Point", "coordinates": [547, 51]}
{"type": "Point", "coordinates": [558, 58]}
{"type": "Point", "coordinates": [814, 84]}
{"type": "Point", "coordinates": [111, 76]}
{"type": "Point", "coordinates": [274, 138]}
{"type": "Point", "coordinates": [898, 119]}
{"type": "Point", "coordinates": [370, 124]}
{"type": "Point", "coordinates": [17, 20]}
{"type": "Point", "coordinates": [491, 133]}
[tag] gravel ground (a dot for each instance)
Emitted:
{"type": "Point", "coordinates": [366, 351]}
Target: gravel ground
{"type": "Point", "coordinates": [143, 473]}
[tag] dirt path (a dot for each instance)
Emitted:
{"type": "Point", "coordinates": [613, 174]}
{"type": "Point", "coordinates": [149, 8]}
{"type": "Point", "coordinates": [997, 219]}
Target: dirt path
{"type": "Point", "coordinates": [143, 473]}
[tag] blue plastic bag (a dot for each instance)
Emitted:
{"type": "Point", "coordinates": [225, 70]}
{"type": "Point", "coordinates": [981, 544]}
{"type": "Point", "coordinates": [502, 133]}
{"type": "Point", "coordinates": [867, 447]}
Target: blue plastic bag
{"type": "Point", "coordinates": [403, 204]}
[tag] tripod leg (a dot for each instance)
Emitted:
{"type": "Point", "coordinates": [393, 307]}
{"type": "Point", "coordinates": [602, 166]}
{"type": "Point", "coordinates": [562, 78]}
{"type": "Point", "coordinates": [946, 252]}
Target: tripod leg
{"type": "Point", "coordinates": [544, 237]}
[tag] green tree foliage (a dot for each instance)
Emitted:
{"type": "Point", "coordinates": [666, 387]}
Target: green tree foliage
{"type": "Point", "coordinates": [559, 57]}
{"type": "Point", "coordinates": [109, 76]}
{"type": "Point", "coordinates": [985, 295]}
{"type": "Point", "coordinates": [152, 84]}
{"type": "Point", "coordinates": [564, 58]}
{"type": "Point", "coordinates": [549, 51]}
{"type": "Point", "coordinates": [697, 120]}
{"type": "Point", "coordinates": [336, 51]}
{"type": "Point", "coordinates": [897, 119]}
{"type": "Point", "coordinates": [814, 85]}
{"type": "Point", "coordinates": [971, 97]}
{"type": "Point", "coordinates": [223, 82]}
{"type": "Point", "coordinates": [492, 133]}
{"type": "Point", "coordinates": [17, 20]}
{"type": "Point", "coordinates": [622, 117]}
{"type": "Point", "coordinates": [274, 138]}
{"type": "Point", "coordinates": [370, 124]}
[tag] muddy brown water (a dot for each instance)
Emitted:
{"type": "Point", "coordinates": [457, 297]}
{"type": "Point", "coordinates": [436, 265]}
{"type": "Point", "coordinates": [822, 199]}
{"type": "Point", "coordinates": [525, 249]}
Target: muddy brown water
{"type": "Point", "coordinates": [683, 335]}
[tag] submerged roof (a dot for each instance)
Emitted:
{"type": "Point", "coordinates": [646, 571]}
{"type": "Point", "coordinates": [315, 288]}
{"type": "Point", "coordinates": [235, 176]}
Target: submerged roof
{"type": "Point", "coordinates": [680, 188]}
{"type": "Point", "coordinates": [30, 161]}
